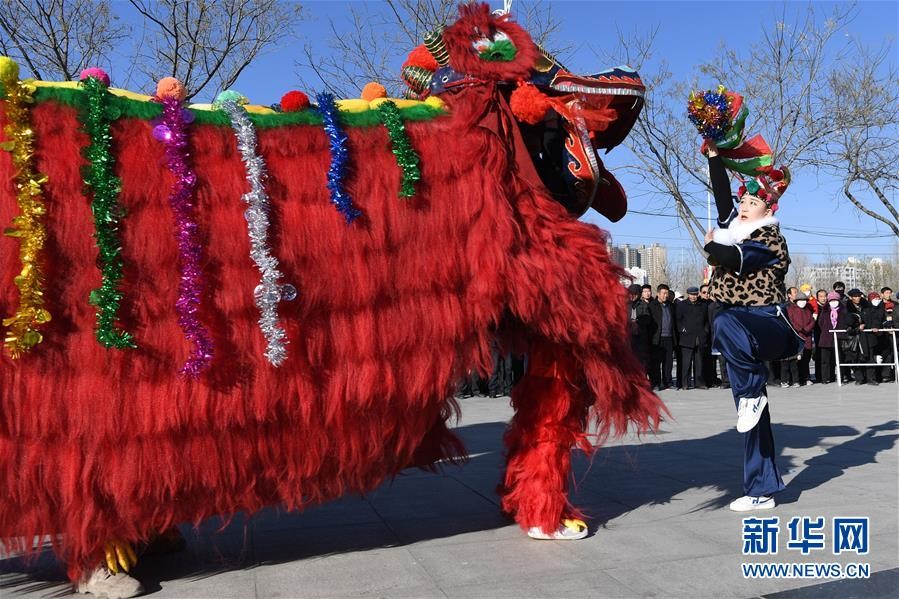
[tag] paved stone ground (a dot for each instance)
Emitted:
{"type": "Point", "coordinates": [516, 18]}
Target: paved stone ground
{"type": "Point", "coordinates": [659, 527]}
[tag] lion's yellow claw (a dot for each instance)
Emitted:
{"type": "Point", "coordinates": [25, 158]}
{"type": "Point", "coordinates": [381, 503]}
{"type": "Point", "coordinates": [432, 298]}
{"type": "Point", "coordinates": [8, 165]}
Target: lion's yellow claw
{"type": "Point", "coordinates": [111, 559]}
{"type": "Point", "coordinates": [122, 556]}
{"type": "Point", "coordinates": [574, 524]}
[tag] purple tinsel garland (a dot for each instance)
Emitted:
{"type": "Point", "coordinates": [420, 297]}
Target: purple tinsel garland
{"type": "Point", "coordinates": [171, 130]}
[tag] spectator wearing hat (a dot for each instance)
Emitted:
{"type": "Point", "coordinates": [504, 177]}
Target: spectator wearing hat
{"type": "Point", "coordinates": [854, 348]}
{"type": "Point", "coordinates": [692, 318]}
{"type": "Point", "coordinates": [873, 318]}
{"type": "Point", "coordinates": [840, 288]}
{"type": "Point", "coordinates": [833, 317]}
{"type": "Point", "coordinates": [794, 370]}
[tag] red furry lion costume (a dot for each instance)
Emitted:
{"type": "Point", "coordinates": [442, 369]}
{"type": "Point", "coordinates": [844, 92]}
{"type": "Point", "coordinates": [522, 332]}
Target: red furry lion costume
{"type": "Point", "coordinates": [99, 443]}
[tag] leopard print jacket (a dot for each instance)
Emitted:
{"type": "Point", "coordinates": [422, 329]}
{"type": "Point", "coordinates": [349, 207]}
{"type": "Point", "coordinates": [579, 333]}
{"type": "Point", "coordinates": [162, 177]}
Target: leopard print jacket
{"type": "Point", "coordinates": [763, 287]}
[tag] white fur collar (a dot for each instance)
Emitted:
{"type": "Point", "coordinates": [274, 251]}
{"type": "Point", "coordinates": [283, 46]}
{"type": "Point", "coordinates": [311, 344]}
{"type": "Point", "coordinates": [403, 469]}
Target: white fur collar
{"type": "Point", "coordinates": [737, 231]}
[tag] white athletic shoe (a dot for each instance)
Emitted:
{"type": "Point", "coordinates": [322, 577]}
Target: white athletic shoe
{"type": "Point", "coordinates": [570, 530]}
{"type": "Point", "coordinates": [749, 504]}
{"type": "Point", "coordinates": [103, 584]}
{"type": "Point", "coordinates": [749, 412]}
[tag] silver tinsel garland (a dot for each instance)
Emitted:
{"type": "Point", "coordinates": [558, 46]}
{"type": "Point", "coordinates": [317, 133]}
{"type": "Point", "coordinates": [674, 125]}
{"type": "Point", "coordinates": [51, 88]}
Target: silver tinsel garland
{"type": "Point", "coordinates": [269, 292]}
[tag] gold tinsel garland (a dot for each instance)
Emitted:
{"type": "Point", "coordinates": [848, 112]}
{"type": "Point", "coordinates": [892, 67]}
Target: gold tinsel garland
{"type": "Point", "coordinates": [22, 333]}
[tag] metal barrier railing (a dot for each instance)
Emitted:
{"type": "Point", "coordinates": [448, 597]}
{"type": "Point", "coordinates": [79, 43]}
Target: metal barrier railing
{"type": "Point", "coordinates": [836, 352]}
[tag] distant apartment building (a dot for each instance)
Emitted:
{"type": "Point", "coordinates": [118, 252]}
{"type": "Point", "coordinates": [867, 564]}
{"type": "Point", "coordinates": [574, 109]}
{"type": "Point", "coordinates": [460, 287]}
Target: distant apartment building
{"type": "Point", "coordinates": [644, 262]}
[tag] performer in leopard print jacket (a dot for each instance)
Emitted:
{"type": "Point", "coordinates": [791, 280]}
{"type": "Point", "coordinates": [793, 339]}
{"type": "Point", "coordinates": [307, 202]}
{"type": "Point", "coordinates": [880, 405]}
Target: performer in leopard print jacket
{"type": "Point", "coordinates": [751, 259]}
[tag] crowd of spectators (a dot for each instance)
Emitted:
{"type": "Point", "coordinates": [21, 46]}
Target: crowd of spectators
{"type": "Point", "coordinates": [672, 336]}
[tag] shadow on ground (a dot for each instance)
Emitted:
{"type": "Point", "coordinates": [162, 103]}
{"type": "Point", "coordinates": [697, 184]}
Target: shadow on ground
{"type": "Point", "coordinates": [420, 506]}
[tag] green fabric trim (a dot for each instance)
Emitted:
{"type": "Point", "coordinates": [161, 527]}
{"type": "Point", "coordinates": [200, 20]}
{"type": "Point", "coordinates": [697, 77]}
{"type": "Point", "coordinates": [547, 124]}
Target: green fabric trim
{"type": "Point", "coordinates": [501, 51]}
{"type": "Point", "coordinates": [120, 107]}
{"type": "Point", "coordinates": [751, 166]}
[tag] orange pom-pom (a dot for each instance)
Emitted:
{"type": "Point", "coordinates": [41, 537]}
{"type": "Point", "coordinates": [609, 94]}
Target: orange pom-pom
{"type": "Point", "coordinates": [529, 104]}
{"type": "Point", "coordinates": [420, 57]}
{"type": "Point", "coordinates": [169, 87]}
{"type": "Point", "coordinates": [373, 91]}
{"type": "Point", "coordinates": [294, 101]}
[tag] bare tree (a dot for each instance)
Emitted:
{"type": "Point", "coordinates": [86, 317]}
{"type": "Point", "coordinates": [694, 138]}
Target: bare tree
{"type": "Point", "coordinates": [207, 44]}
{"type": "Point", "coordinates": [372, 41]}
{"type": "Point", "coordinates": [780, 74]}
{"type": "Point", "coordinates": [663, 142]}
{"type": "Point", "coordinates": [861, 105]}
{"type": "Point", "coordinates": [58, 38]}
{"type": "Point", "coordinates": [791, 90]}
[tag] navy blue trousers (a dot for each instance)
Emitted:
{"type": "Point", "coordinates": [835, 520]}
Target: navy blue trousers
{"type": "Point", "coordinates": [747, 337]}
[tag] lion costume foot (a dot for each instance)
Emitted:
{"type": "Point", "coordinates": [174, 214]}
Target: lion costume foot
{"type": "Point", "coordinates": [104, 584]}
{"type": "Point", "coordinates": [570, 530]}
{"type": "Point", "coordinates": [111, 580]}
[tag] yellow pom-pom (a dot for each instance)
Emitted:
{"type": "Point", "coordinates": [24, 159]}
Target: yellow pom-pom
{"type": "Point", "coordinates": [435, 102]}
{"type": "Point", "coordinates": [169, 87]}
{"type": "Point", "coordinates": [372, 91]}
{"type": "Point", "coordinates": [9, 69]}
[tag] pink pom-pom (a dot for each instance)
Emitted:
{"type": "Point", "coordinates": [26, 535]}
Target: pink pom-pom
{"type": "Point", "coordinates": [294, 101]}
{"type": "Point", "coordinates": [169, 87]}
{"type": "Point", "coordinates": [96, 73]}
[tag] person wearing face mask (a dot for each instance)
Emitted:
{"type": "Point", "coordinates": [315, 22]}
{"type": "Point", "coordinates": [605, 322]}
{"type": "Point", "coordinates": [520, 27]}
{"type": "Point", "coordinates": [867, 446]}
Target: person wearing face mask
{"type": "Point", "coordinates": [855, 349]}
{"type": "Point", "coordinates": [751, 260]}
{"type": "Point", "coordinates": [796, 367]}
{"type": "Point", "coordinates": [840, 288]}
{"type": "Point", "coordinates": [819, 304]}
{"type": "Point", "coordinates": [873, 317]}
{"type": "Point", "coordinates": [886, 349]}
{"type": "Point", "coordinates": [833, 317]}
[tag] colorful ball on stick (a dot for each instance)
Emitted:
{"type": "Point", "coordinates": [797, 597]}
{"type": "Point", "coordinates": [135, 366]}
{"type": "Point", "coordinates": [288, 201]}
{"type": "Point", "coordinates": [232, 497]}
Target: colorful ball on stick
{"type": "Point", "coordinates": [711, 112]}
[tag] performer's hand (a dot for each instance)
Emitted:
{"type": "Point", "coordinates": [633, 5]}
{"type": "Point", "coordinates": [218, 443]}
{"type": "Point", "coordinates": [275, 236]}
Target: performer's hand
{"type": "Point", "coordinates": [713, 149]}
{"type": "Point", "coordinates": [708, 235]}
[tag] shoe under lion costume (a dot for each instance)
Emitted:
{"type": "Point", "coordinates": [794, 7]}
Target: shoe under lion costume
{"type": "Point", "coordinates": [211, 309]}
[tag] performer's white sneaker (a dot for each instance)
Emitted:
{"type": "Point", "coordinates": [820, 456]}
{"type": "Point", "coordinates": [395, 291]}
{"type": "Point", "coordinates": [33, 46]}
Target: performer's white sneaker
{"type": "Point", "coordinates": [749, 504]}
{"type": "Point", "coordinates": [571, 529]}
{"type": "Point", "coordinates": [749, 412]}
{"type": "Point", "coordinates": [103, 584]}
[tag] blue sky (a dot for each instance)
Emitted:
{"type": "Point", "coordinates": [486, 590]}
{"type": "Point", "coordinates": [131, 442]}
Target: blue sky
{"type": "Point", "coordinates": [688, 33]}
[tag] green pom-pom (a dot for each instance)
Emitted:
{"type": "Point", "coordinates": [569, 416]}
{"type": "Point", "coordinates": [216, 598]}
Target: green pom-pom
{"type": "Point", "coordinates": [9, 69]}
{"type": "Point", "coordinates": [501, 51]}
{"type": "Point", "coordinates": [752, 186]}
{"type": "Point", "coordinates": [230, 95]}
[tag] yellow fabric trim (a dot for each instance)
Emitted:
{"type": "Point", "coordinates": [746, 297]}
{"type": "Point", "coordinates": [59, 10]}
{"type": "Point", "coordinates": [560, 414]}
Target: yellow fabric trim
{"type": "Point", "coordinates": [348, 105]}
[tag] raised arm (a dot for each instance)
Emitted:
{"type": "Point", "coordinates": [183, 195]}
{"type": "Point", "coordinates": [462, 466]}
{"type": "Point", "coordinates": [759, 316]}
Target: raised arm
{"type": "Point", "coordinates": [720, 187]}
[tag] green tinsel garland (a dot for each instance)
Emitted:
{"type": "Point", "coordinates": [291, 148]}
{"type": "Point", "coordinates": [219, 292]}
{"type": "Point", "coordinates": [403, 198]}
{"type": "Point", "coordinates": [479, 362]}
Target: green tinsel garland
{"type": "Point", "coordinates": [105, 186]}
{"type": "Point", "coordinates": [406, 157]}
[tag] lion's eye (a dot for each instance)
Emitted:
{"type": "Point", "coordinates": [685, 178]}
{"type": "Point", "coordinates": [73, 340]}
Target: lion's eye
{"type": "Point", "coordinates": [481, 44]}
{"type": "Point", "coordinates": [497, 47]}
